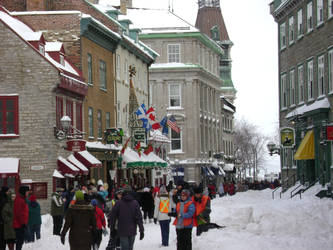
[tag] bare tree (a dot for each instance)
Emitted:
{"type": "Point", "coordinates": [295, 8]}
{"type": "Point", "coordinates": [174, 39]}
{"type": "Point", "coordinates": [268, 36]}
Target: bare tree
{"type": "Point", "coordinates": [250, 145]}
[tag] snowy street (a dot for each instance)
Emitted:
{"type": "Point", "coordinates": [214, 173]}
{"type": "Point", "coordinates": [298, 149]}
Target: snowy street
{"type": "Point", "coordinates": [253, 220]}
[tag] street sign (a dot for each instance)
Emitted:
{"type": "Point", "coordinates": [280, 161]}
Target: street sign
{"type": "Point", "coordinates": [139, 135]}
{"type": "Point", "coordinates": [287, 137]}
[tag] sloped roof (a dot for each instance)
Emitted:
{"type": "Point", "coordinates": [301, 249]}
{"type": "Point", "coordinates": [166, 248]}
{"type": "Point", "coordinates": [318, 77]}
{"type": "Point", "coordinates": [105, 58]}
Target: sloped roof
{"type": "Point", "coordinates": [207, 18]}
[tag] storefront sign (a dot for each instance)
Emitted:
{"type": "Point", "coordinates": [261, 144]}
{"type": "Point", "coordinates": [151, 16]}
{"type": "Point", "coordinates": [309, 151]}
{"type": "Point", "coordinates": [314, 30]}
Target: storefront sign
{"type": "Point", "coordinates": [36, 168]}
{"type": "Point", "coordinates": [76, 145]}
{"type": "Point", "coordinates": [287, 137]}
{"type": "Point", "coordinates": [329, 132]}
{"type": "Point", "coordinates": [114, 136]}
{"type": "Point", "coordinates": [139, 135]}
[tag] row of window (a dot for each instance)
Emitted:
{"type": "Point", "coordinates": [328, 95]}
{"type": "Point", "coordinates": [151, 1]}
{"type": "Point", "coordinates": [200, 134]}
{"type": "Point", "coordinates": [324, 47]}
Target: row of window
{"type": "Point", "coordinates": [227, 123]}
{"type": "Point", "coordinates": [298, 85]}
{"type": "Point", "coordinates": [208, 99]}
{"type": "Point", "coordinates": [101, 70]}
{"type": "Point", "coordinates": [228, 147]}
{"type": "Point", "coordinates": [209, 139]}
{"type": "Point", "coordinates": [99, 122]}
{"type": "Point", "coordinates": [69, 111]}
{"type": "Point", "coordinates": [296, 26]}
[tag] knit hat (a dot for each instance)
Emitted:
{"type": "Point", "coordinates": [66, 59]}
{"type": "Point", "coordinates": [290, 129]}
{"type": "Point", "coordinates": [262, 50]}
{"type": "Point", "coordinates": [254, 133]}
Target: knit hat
{"type": "Point", "coordinates": [94, 202]}
{"type": "Point", "coordinates": [197, 190]}
{"type": "Point", "coordinates": [23, 190]}
{"type": "Point", "coordinates": [186, 192]}
{"type": "Point", "coordinates": [119, 191]}
{"type": "Point", "coordinates": [79, 196]}
{"type": "Point", "coordinates": [146, 189]}
{"type": "Point", "coordinates": [32, 198]}
{"type": "Point", "coordinates": [163, 190]}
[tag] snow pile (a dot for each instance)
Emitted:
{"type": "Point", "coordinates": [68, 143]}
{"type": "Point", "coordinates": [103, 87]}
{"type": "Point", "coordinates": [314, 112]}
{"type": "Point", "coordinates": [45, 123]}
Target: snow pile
{"type": "Point", "coordinates": [253, 220]}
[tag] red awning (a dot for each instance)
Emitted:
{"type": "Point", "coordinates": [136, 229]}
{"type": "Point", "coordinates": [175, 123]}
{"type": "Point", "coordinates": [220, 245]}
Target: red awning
{"type": "Point", "coordinates": [87, 159]}
{"type": "Point", "coordinates": [9, 167]}
{"type": "Point", "coordinates": [66, 168]}
{"type": "Point", "coordinates": [78, 164]}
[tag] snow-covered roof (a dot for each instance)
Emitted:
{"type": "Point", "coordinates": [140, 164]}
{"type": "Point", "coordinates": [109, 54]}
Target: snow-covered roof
{"type": "Point", "coordinates": [67, 163]}
{"type": "Point", "coordinates": [27, 34]}
{"type": "Point", "coordinates": [319, 104]}
{"type": "Point", "coordinates": [156, 135]}
{"type": "Point", "coordinates": [226, 107]}
{"type": "Point", "coordinates": [100, 145]}
{"type": "Point", "coordinates": [53, 46]}
{"type": "Point", "coordinates": [173, 65]}
{"type": "Point", "coordinates": [158, 21]}
{"type": "Point", "coordinates": [229, 167]}
{"type": "Point", "coordinates": [137, 45]}
{"type": "Point", "coordinates": [57, 174]}
{"type": "Point", "coordinates": [77, 163]}
{"type": "Point", "coordinates": [89, 157]}
{"type": "Point", "coordinates": [9, 165]}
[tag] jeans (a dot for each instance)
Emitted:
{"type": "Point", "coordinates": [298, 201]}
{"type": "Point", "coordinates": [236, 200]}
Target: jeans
{"type": "Point", "coordinates": [34, 230]}
{"type": "Point", "coordinates": [126, 243]}
{"type": "Point", "coordinates": [57, 224]}
{"type": "Point", "coordinates": [165, 226]}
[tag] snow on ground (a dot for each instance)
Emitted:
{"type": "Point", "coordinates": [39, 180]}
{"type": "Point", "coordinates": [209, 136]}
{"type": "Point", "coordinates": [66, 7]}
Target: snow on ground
{"type": "Point", "coordinates": [253, 220]}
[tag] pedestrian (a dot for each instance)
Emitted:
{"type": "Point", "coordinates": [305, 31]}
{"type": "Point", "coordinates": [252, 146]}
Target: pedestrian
{"type": "Point", "coordinates": [114, 241]}
{"type": "Point", "coordinates": [7, 217]}
{"type": "Point", "coordinates": [21, 216]}
{"type": "Point", "coordinates": [184, 222]}
{"type": "Point", "coordinates": [100, 225]}
{"type": "Point", "coordinates": [81, 222]}
{"type": "Point", "coordinates": [162, 208]}
{"type": "Point", "coordinates": [202, 210]}
{"type": "Point", "coordinates": [35, 219]}
{"type": "Point", "coordinates": [221, 190]}
{"type": "Point", "coordinates": [176, 197]}
{"type": "Point", "coordinates": [3, 200]}
{"type": "Point", "coordinates": [57, 211]}
{"type": "Point", "coordinates": [147, 204]}
{"type": "Point", "coordinates": [128, 215]}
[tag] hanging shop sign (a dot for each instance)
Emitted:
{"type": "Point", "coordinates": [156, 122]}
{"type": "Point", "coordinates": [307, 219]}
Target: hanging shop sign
{"type": "Point", "coordinates": [139, 135]}
{"type": "Point", "coordinates": [329, 132]}
{"type": "Point", "coordinates": [114, 136]}
{"type": "Point", "coordinates": [287, 137]}
{"type": "Point", "coordinates": [76, 145]}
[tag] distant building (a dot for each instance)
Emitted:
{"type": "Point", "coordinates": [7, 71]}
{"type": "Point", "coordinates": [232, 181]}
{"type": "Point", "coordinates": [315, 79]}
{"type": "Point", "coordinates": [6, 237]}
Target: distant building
{"type": "Point", "coordinates": [306, 87]}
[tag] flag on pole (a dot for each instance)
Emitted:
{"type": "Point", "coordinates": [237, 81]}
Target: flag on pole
{"type": "Point", "coordinates": [138, 148]}
{"type": "Point", "coordinates": [125, 146]}
{"type": "Point", "coordinates": [164, 125]}
{"type": "Point", "coordinates": [147, 117]}
{"type": "Point", "coordinates": [173, 125]}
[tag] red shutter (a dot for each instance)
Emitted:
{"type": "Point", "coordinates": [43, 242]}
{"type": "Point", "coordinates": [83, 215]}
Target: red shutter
{"type": "Point", "coordinates": [79, 116]}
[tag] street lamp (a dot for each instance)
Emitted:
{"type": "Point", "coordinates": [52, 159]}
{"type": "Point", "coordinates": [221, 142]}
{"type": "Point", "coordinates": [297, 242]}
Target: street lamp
{"type": "Point", "coordinates": [68, 131]}
{"type": "Point", "coordinates": [272, 148]}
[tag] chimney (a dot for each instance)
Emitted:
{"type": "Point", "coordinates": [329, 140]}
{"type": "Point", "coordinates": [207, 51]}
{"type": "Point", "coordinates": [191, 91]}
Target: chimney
{"type": "Point", "coordinates": [123, 7]}
{"type": "Point", "coordinates": [35, 5]}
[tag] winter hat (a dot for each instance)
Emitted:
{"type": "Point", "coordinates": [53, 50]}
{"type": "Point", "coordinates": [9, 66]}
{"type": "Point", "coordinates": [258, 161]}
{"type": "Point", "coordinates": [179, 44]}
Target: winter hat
{"type": "Point", "coordinates": [79, 196]}
{"type": "Point", "coordinates": [32, 198]}
{"type": "Point", "coordinates": [197, 190]}
{"type": "Point", "coordinates": [186, 192]}
{"type": "Point", "coordinates": [100, 182]}
{"type": "Point", "coordinates": [163, 190]}
{"type": "Point", "coordinates": [119, 191]}
{"type": "Point", "coordinates": [23, 190]}
{"type": "Point", "coordinates": [94, 202]}
{"type": "Point", "coordinates": [146, 189]}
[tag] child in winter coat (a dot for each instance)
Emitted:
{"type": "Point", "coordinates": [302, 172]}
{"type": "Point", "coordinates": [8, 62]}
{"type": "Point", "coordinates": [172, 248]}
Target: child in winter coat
{"type": "Point", "coordinates": [100, 225]}
{"type": "Point", "coordinates": [35, 219]}
{"type": "Point", "coordinates": [162, 208]}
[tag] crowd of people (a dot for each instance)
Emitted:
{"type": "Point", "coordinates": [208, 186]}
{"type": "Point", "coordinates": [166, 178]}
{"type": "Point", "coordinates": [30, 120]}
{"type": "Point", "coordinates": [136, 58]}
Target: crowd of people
{"type": "Point", "coordinates": [84, 213]}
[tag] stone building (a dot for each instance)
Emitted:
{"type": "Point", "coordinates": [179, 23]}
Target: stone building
{"type": "Point", "coordinates": [185, 84]}
{"type": "Point", "coordinates": [35, 75]}
{"type": "Point", "coordinates": [305, 88]}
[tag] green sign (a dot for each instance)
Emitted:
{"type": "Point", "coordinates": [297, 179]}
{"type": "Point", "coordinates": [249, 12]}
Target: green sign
{"type": "Point", "coordinates": [114, 136]}
{"type": "Point", "coordinates": [287, 137]}
{"type": "Point", "coordinates": [139, 135]}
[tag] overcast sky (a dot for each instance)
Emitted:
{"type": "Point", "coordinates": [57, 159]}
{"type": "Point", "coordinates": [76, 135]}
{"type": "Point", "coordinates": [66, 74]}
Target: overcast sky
{"type": "Point", "coordinates": [255, 58]}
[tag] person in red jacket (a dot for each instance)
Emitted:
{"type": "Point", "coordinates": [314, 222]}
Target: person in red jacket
{"type": "Point", "coordinates": [100, 225]}
{"type": "Point", "coordinates": [21, 216]}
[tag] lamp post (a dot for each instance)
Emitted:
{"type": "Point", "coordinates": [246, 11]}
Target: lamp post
{"type": "Point", "coordinates": [272, 148]}
{"type": "Point", "coordinates": [68, 131]}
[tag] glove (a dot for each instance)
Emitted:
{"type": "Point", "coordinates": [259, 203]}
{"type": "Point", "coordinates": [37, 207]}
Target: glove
{"type": "Point", "coordinates": [62, 239]}
{"type": "Point", "coordinates": [113, 233]}
{"type": "Point", "coordinates": [142, 235]}
{"type": "Point", "coordinates": [155, 220]}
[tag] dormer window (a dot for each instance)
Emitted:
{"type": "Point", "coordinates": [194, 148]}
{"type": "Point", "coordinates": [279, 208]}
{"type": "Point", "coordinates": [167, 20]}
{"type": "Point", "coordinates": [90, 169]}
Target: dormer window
{"type": "Point", "coordinates": [215, 33]}
{"type": "Point", "coordinates": [42, 49]}
{"type": "Point", "coordinates": [62, 60]}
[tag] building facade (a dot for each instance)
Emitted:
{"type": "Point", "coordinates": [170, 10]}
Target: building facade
{"type": "Point", "coordinates": [305, 87]}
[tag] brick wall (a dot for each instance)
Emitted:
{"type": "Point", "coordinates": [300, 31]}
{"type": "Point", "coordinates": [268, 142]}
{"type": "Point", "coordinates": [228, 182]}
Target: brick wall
{"type": "Point", "coordinates": [63, 28]}
{"type": "Point", "coordinates": [14, 5]}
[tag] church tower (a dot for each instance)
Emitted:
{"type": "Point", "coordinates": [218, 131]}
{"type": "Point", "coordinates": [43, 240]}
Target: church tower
{"type": "Point", "coordinates": [210, 22]}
